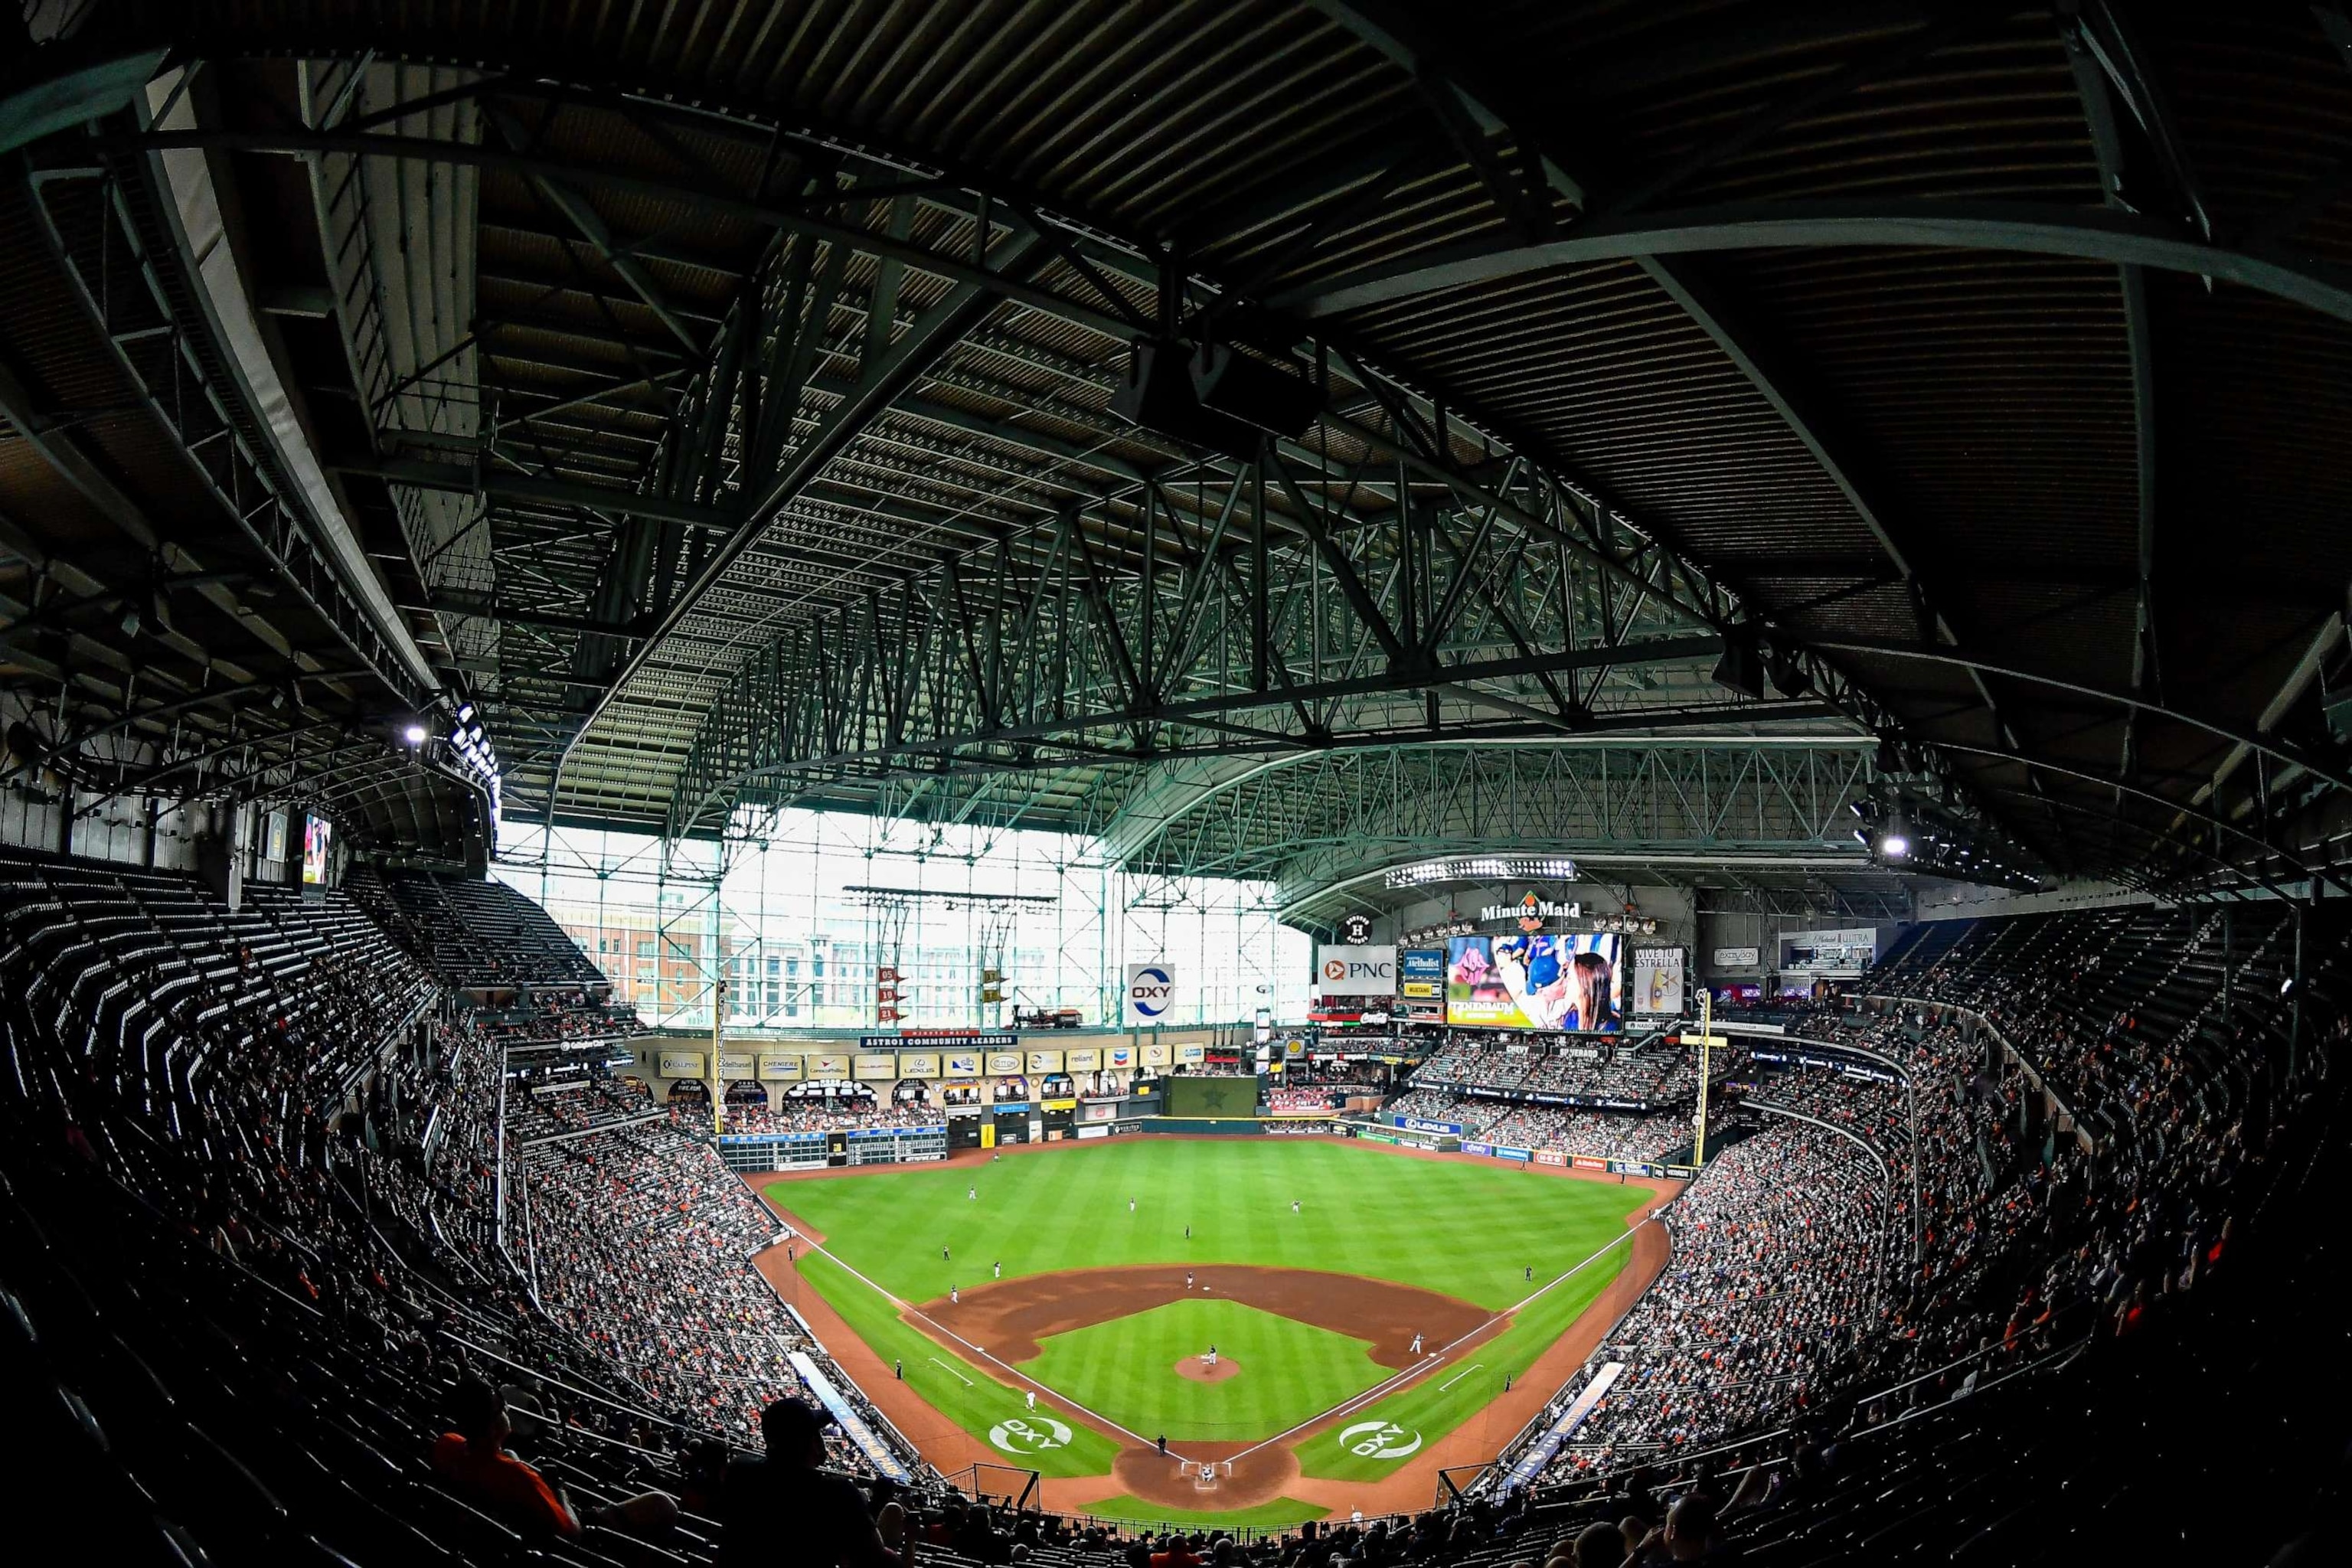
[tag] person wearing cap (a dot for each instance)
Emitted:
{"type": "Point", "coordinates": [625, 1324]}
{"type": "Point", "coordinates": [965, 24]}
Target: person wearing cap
{"type": "Point", "coordinates": [784, 1507]}
{"type": "Point", "coordinates": [473, 1461]}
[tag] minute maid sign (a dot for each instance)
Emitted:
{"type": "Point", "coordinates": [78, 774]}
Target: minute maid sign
{"type": "Point", "coordinates": [1151, 992]}
{"type": "Point", "coordinates": [1532, 908]}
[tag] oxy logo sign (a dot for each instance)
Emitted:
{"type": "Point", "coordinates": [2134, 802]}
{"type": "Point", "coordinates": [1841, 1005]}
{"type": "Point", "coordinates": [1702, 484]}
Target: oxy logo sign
{"type": "Point", "coordinates": [1029, 1435]}
{"type": "Point", "coordinates": [1379, 1440]}
{"type": "Point", "coordinates": [1150, 990]}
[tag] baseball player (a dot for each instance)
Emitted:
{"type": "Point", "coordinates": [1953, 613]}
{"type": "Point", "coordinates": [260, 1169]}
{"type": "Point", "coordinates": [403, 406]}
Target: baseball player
{"type": "Point", "coordinates": [1033, 1399]}
{"type": "Point", "coordinates": [1000, 1270]}
{"type": "Point", "coordinates": [1416, 1344]}
{"type": "Point", "coordinates": [955, 1297]}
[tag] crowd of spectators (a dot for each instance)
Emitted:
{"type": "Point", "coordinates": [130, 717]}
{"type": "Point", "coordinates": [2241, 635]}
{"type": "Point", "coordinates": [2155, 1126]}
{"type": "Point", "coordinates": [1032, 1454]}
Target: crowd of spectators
{"type": "Point", "coordinates": [574, 1105]}
{"type": "Point", "coordinates": [1655, 1074]}
{"type": "Point", "coordinates": [1648, 1136]}
{"type": "Point", "coordinates": [638, 1243]}
{"type": "Point", "coordinates": [839, 1114]}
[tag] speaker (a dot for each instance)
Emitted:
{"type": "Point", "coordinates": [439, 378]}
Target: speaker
{"type": "Point", "coordinates": [1277, 401]}
{"type": "Point", "coordinates": [1158, 395]}
{"type": "Point", "coordinates": [1741, 667]}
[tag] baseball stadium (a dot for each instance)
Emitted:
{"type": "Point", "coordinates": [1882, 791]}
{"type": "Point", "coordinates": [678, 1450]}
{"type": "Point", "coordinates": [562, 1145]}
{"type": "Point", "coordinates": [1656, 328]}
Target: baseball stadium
{"type": "Point", "coordinates": [1175, 784]}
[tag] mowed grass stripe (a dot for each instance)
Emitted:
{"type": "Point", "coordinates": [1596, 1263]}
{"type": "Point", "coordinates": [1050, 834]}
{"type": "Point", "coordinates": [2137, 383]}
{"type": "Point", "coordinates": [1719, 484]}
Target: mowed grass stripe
{"type": "Point", "coordinates": [975, 1406]}
{"type": "Point", "coordinates": [1462, 1228]}
{"type": "Point", "coordinates": [1433, 1409]}
{"type": "Point", "coordinates": [1468, 1229]}
{"type": "Point", "coordinates": [1127, 1369]}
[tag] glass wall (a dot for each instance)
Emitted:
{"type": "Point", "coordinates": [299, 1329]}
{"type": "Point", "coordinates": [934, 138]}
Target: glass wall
{"type": "Point", "coordinates": [803, 918]}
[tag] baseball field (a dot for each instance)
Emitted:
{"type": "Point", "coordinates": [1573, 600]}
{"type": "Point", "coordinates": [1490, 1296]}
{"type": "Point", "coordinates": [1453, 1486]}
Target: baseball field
{"type": "Point", "coordinates": [1372, 1313]}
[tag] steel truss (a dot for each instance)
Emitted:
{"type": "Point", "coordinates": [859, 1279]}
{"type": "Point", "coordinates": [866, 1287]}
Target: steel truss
{"type": "Point", "coordinates": [1312, 822]}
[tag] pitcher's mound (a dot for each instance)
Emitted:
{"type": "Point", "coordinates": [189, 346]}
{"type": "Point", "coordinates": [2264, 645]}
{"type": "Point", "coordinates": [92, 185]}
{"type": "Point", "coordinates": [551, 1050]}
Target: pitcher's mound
{"type": "Point", "coordinates": [1199, 1371]}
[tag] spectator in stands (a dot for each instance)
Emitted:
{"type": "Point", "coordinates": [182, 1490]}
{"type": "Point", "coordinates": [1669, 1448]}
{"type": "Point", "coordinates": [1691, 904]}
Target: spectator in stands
{"type": "Point", "coordinates": [785, 1508]}
{"type": "Point", "coordinates": [473, 1461]}
{"type": "Point", "coordinates": [1599, 1546]}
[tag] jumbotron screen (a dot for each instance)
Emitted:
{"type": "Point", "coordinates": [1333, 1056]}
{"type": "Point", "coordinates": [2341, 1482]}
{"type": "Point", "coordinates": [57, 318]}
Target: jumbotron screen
{"type": "Point", "coordinates": [1548, 980]}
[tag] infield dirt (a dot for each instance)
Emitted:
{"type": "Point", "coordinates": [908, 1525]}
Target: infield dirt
{"type": "Point", "coordinates": [1009, 1317]}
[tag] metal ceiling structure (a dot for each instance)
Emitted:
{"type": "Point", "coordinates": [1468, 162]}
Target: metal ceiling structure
{"type": "Point", "coordinates": [717, 397]}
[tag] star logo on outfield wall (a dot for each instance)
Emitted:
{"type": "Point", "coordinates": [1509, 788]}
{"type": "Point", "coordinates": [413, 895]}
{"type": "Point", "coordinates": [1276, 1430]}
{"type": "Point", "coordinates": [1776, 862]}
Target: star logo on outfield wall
{"type": "Point", "coordinates": [1215, 1097]}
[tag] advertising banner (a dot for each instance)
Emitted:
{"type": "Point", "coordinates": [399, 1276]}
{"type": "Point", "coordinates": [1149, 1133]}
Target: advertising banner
{"type": "Point", "coordinates": [877, 1066]}
{"type": "Point", "coordinates": [1588, 1162]}
{"type": "Point", "coordinates": [1552, 1157]}
{"type": "Point", "coordinates": [318, 838]}
{"type": "Point", "coordinates": [963, 1063]}
{"type": "Point", "coordinates": [1081, 1061]}
{"type": "Point", "coordinates": [1356, 970]}
{"type": "Point", "coordinates": [1737, 957]}
{"type": "Point", "coordinates": [1830, 952]}
{"type": "Point", "coordinates": [773, 1065]}
{"type": "Point", "coordinates": [1503, 1152]}
{"type": "Point", "coordinates": [1045, 1061]}
{"type": "Point", "coordinates": [1470, 1148]}
{"type": "Point", "coordinates": [1192, 1054]}
{"type": "Point", "coordinates": [733, 1065]}
{"type": "Point", "coordinates": [1657, 980]}
{"type": "Point", "coordinates": [828, 1067]}
{"type": "Point", "coordinates": [1421, 974]}
{"type": "Point", "coordinates": [681, 1064]}
{"type": "Point", "coordinates": [1151, 992]}
{"type": "Point", "coordinates": [1422, 1124]}
{"type": "Point", "coordinates": [919, 1064]}
{"type": "Point", "coordinates": [1119, 1059]}
{"type": "Point", "coordinates": [1156, 1053]}
{"type": "Point", "coordinates": [1004, 1063]}
{"type": "Point", "coordinates": [847, 1421]}
{"type": "Point", "coordinates": [1565, 981]}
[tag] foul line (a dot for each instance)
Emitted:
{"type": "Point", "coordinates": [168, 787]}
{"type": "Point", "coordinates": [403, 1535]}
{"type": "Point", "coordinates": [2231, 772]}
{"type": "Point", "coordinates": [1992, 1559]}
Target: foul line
{"type": "Point", "coordinates": [1392, 1383]}
{"type": "Point", "coordinates": [1458, 1376]}
{"type": "Point", "coordinates": [951, 1371]}
{"type": "Point", "coordinates": [1382, 1390]}
{"type": "Point", "coordinates": [910, 1310]}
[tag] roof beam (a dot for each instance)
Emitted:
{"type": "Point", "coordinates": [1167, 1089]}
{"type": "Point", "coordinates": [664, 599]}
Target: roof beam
{"type": "Point", "coordinates": [879, 385]}
{"type": "Point", "coordinates": [2023, 227]}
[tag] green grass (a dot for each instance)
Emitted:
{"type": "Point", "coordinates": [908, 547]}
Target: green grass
{"type": "Point", "coordinates": [1433, 1409]}
{"type": "Point", "coordinates": [1464, 1228]}
{"type": "Point", "coordinates": [951, 1384]}
{"type": "Point", "coordinates": [1282, 1513]}
{"type": "Point", "coordinates": [1125, 1370]}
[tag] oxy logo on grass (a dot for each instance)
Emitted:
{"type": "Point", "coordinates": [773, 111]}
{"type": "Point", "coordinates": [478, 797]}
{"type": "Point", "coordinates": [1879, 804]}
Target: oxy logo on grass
{"type": "Point", "coordinates": [1030, 1435]}
{"type": "Point", "coordinates": [1379, 1440]}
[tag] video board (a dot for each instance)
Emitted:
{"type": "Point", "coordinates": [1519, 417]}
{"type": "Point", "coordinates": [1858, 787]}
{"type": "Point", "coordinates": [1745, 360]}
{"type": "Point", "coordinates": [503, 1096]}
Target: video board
{"type": "Point", "coordinates": [1546, 980]}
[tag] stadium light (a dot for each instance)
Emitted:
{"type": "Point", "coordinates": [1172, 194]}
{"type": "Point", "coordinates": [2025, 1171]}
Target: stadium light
{"type": "Point", "coordinates": [413, 734]}
{"type": "Point", "coordinates": [1894, 847]}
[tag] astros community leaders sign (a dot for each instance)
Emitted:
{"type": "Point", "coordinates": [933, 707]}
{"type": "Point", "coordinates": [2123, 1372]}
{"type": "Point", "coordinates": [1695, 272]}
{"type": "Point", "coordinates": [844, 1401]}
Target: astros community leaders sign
{"type": "Point", "coordinates": [1151, 992]}
{"type": "Point", "coordinates": [1356, 970]}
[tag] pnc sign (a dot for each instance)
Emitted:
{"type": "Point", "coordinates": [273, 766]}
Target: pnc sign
{"type": "Point", "coordinates": [1150, 991]}
{"type": "Point", "coordinates": [1357, 971]}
